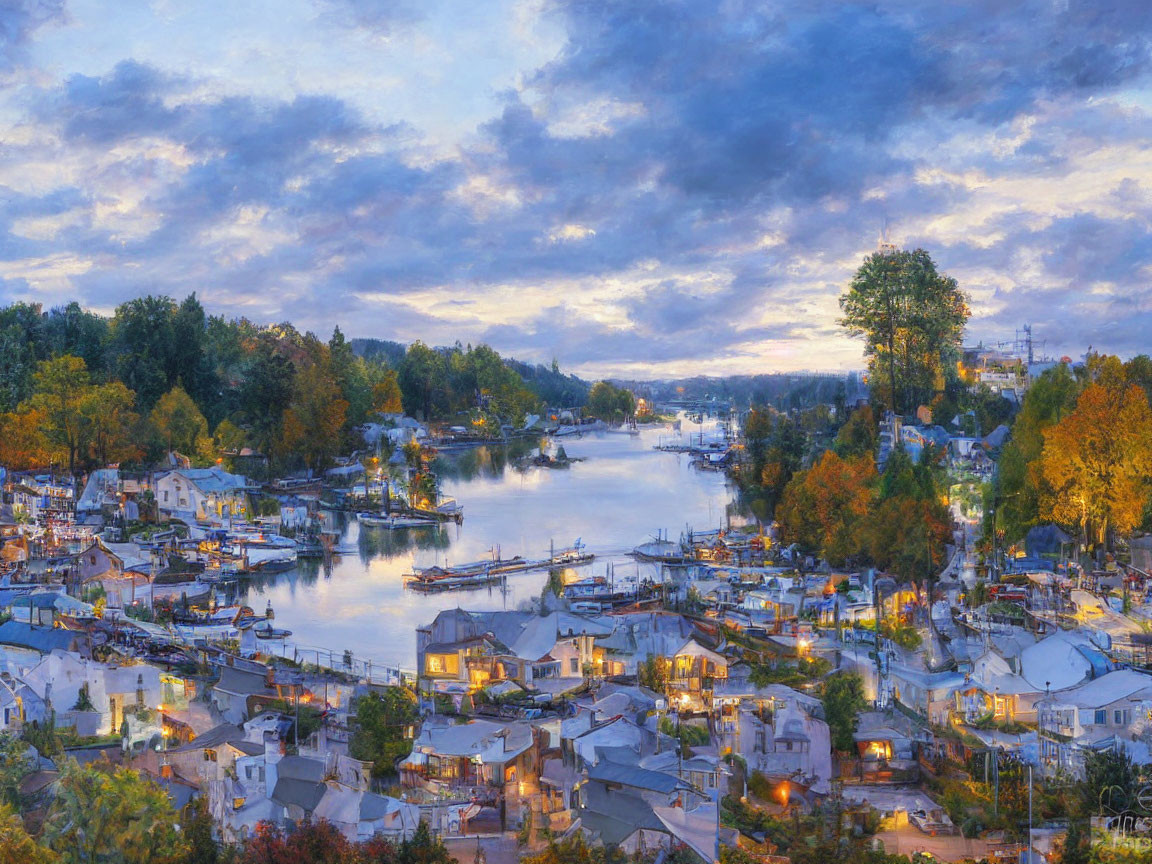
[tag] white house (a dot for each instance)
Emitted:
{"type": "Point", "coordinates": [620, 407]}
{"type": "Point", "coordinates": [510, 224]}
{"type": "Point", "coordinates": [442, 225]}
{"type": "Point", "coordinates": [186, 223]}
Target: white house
{"type": "Point", "coordinates": [113, 691]}
{"type": "Point", "coordinates": [202, 493]}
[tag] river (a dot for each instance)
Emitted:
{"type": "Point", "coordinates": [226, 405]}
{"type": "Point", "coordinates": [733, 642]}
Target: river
{"type": "Point", "coordinates": [621, 495]}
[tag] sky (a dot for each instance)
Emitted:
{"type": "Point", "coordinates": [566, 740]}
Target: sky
{"type": "Point", "coordinates": [640, 189]}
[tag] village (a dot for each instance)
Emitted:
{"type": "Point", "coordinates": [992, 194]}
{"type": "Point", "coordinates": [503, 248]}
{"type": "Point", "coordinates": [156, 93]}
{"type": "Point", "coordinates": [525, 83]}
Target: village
{"type": "Point", "coordinates": [751, 694]}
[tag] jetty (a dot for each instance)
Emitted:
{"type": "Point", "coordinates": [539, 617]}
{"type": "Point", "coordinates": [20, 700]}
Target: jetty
{"type": "Point", "coordinates": [480, 573]}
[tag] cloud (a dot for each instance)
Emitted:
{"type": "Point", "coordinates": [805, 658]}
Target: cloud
{"type": "Point", "coordinates": [682, 185]}
{"type": "Point", "coordinates": [19, 20]}
{"type": "Point", "coordinates": [380, 16]}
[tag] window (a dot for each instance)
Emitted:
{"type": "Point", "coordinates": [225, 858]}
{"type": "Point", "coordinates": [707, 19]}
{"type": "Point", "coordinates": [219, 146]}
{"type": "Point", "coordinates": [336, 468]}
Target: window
{"type": "Point", "coordinates": [573, 665]}
{"type": "Point", "coordinates": [92, 559]}
{"type": "Point", "coordinates": [1117, 716]}
{"type": "Point", "coordinates": [1101, 718]}
{"type": "Point", "coordinates": [165, 495]}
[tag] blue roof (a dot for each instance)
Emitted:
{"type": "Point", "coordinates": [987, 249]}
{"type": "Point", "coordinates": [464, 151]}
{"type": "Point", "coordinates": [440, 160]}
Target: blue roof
{"type": "Point", "coordinates": [42, 639]}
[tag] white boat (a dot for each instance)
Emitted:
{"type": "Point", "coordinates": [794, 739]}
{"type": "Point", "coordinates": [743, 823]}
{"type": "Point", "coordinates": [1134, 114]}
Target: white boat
{"type": "Point", "coordinates": [393, 522]}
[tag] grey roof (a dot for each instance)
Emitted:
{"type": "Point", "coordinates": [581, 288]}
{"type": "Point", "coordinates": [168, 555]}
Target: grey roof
{"type": "Point", "coordinates": [42, 639]}
{"type": "Point", "coordinates": [305, 794]}
{"type": "Point", "coordinates": [300, 782]}
{"type": "Point", "coordinates": [631, 775]}
{"type": "Point", "coordinates": [241, 681]}
{"type": "Point", "coordinates": [225, 733]}
{"type": "Point", "coordinates": [615, 816]}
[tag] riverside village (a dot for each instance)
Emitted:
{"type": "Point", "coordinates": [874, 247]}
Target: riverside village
{"type": "Point", "coordinates": [499, 614]}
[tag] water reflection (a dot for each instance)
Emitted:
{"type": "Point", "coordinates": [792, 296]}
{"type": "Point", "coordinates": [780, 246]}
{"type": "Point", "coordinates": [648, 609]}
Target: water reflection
{"type": "Point", "coordinates": [622, 494]}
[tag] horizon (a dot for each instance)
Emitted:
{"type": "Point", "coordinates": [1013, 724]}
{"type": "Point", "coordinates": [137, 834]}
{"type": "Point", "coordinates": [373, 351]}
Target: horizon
{"type": "Point", "coordinates": [645, 193]}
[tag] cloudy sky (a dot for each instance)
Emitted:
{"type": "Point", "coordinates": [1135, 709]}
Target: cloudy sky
{"type": "Point", "coordinates": [635, 188]}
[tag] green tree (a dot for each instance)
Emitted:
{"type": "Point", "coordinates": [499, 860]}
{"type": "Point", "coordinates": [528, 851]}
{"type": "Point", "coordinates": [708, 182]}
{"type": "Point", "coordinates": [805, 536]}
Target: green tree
{"type": "Point", "coordinates": [103, 813]}
{"type": "Point", "coordinates": [843, 701]}
{"type": "Point", "coordinates": [112, 423]}
{"type": "Point", "coordinates": [422, 378]}
{"type": "Point", "coordinates": [382, 729]}
{"type": "Point", "coordinates": [14, 767]}
{"type": "Point", "coordinates": [609, 402]}
{"type": "Point", "coordinates": [179, 422]}
{"type": "Point", "coordinates": [197, 831]}
{"type": "Point", "coordinates": [653, 673]}
{"type": "Point", "coordinates": [143, 342]}
{"type": "Point", "coordinates": [266, 392]}
{"type": "Point", "coordinates": [859, 436]}
{"type": "Point", "coordinates": [911, 319]}
{"type": "Point", "coordinates": [423, 848]}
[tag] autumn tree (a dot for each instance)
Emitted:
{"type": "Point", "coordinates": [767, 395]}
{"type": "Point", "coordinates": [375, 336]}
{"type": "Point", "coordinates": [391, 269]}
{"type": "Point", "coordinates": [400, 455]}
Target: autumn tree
{"type": "Point", "coordinates": [23, 444]}
{"type": "Point", "coordinates": [105, 813]}
{"type": "Point", "coordinates": [62, 389]}
{"type": "Point", "coordinates": [911, 319]}
{"type": "Point", "coordinates": [386, 396]}
{"type": "Point", "coordinates": [824, 507]}
{"type": "Point", "coordinates": [1096, 463]}
{"type": "Point", "coordinates": [315, 417]}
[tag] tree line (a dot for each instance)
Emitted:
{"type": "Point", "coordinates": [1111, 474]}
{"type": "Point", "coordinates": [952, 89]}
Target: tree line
{"type": "Point", "coordinates": [79, 390]}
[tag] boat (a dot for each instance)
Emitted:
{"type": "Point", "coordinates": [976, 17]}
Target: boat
{"type": "Point", "coordinates": [393, 521]}
{"type": "Point", "coordinates": [660, 551]}
{"type": "Point", "coordinates": [271, 632]}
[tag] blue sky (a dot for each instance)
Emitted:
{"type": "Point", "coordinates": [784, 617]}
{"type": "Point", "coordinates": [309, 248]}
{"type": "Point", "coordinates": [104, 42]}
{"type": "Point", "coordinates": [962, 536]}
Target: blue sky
{"type": "Point", "coordinates": [634, 188]}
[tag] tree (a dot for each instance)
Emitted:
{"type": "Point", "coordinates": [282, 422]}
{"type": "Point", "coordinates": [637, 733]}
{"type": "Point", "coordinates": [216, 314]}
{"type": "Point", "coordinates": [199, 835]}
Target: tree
{"type": "Point", "coordinates": [825, 506]}
{"type": "Point", "coordinates": [422, 378]}
{"type": "Point", "coordinates": [843, 701]}
{"type": "Point", "coordinates": [16, 846]}
{"type": "Point", "coordinates": [859, 436]}
{"type": "Point", "coordinates": [143, 344]}
{"type": "Point", "coordinates": [386, 396]}
{"type": "Point", "coordinates": [267, 391]}
{"type": "Point", "coordinates": [911, 319]}
{"type": "Point", "coordinates": [608, 402]}
{"type": "Point", "coordinates": [1050, 398]}
{"type": "Point", "coordinates": [62, 388]}
{"type": "Point", "coordinates": [383, 723]}
{"type": "Point", "coordinates": [178, 420]}
{"type": "Point", "coordinates": [197, 830]}
{"type": "Point", "coordinates": [23, 444]}
{"type": "Point", "coordinates": [1096, 464]}
{"type": "Point", "coordinates": [14, 767]}
{"type": "Point", "coordinates": [313, 422]}
{"type": "Point", "coordinates": [653, 673]}
{"type": "Point", "coordinates": [103, 813]}
{"type": "Point", "coordinates": [111, 423]}
{"type": "Point", "coordinates": [423, 848]}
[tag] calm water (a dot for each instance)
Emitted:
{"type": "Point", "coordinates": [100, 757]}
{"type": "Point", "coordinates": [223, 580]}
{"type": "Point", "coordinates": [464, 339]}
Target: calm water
{"type": "Point", "coordinates": [619, 497]}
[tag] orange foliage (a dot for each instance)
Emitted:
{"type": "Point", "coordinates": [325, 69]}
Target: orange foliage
{"type": "Point", "coordinates": [1096, 464]}
{"type": "Point", "coordinates": [22, 443]}
{"type": "Point", "coordinates": [825, 506]}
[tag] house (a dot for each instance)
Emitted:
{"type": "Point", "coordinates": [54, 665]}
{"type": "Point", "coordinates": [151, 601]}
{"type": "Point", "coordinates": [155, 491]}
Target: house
{"type": "Point", "coordinates": [694, 670]}
{"type": "Point", "coordinates": [776, 730]}
{"type": "Point", "coordinates": [239, 689]}
{"type": "Point", "coordinates": [205, 494]}
{"type": "Point", "coordinates": [1103, 713]}
{"type": "Point", "coordinates": [486, 759]}
{"type": "Point", "coordinates": [68, 682]}
{"type": "Point", "coordinates": [464, 651]}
